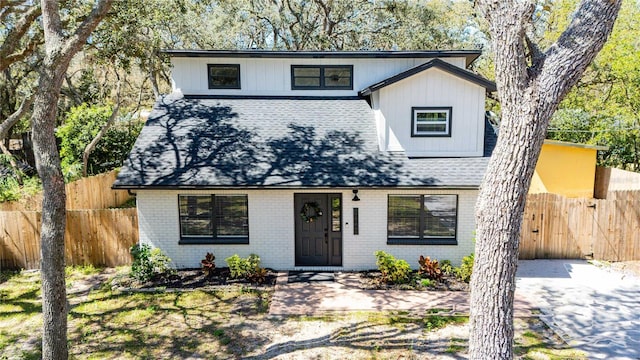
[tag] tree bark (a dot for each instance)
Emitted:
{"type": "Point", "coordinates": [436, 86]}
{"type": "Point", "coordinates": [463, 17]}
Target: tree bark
{"type": "Point", "coordinates": [530, 88]}
{"type": "Point", "coordinates": [59, 50]}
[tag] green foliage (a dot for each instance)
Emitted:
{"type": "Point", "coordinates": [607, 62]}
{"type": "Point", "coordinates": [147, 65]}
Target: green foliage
{"type": "Point", "coordinates": [10, 189]}
{"type": "Point", "coordinates": [466, 268]}
{"type": "Point", "coordinates": [81, 125]}
{"type": "Point", "coordinates": [208, 264]}
{"type": "Point", "coordinates": [248, 268]}
{"type": "Point", "coordinates": [446, 267]}
{"type": "Point", "coordinates": [429, 268]}
{"type": "Point", "coordinates": [148, 263]}
{"type": "Point", "coordinates": [394, 271]}
{"type": "Point", "coordinates": [604, 107]}
{"type": "Point", "coordinates": [426, 282]}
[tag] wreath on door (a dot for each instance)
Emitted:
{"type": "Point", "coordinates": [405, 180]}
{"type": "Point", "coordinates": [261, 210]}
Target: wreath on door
{"type": "Point", "coordinates": [310, 211]}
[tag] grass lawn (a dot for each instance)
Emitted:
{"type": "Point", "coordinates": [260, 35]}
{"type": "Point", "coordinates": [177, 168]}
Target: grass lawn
{"type": "Point", "coordinates": [230, 323]}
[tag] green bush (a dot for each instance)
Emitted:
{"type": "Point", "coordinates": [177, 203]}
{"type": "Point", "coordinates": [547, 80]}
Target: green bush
{"type": "Point", "coordinates": [148, 263]}
{"type": "Point", "coordinates": [248, 268]}
{"type": "Point", "coordinates": [394, 271]}
{"type": "Point", "coordinates": [466, 268]}
{"type": "Point", "coordinates": [447, 268]}
{"type": "Point", "coordinates": [81, 125]}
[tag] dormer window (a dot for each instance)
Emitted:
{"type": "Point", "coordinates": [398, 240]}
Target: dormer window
{"type": "Point", "coordinates": [322, 77]}
{"type": "Point", "coordinates": [224, 76]}
{"type": "Point", "coordinates": [431, 121]}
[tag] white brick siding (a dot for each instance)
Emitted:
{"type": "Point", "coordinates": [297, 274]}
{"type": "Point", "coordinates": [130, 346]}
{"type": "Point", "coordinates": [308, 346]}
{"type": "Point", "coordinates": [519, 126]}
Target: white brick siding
{"type": "Point", "coordinates": [271, 228]}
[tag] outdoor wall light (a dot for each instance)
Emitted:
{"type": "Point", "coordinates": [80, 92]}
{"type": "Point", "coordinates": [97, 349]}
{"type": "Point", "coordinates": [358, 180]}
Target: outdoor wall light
{"type": "Point", "coordinates": [355, 195]}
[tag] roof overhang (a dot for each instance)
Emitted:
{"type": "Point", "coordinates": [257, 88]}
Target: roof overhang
{"type": "Point", "coordinates": [469, 55]}
{"type": "Point", "coordinates": [576, 145]}
{"type": "Point", "coordinates": [437, 64]}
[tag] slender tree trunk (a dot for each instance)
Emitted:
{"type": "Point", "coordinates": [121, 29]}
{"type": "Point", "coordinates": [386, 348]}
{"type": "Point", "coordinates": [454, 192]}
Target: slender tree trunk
{"type": "Point", "coordinates": [531, 84]}
{"type": "Point", "coordinates": [6, 125]}
{"type": "Point", "coordinates": [92, 145]}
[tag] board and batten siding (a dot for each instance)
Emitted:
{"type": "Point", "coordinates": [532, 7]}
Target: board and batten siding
{"type": "Point", "coordinates": [431, 88]}
{"type": "Point", "coordinates": [271, 228]}
{"type": "Point", "coordinates": [268, 76]}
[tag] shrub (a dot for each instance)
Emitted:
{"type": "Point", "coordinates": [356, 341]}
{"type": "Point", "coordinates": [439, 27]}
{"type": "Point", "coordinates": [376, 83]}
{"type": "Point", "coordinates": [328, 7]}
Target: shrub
{"type": "Point", "coordinates": [208, 264]}
{"type": "Point", "coordinates": [148, 263]}
{"type": "Point", "coordinates": [447, 268]}
{"type": "Point", "coordinates": [248, 268]}
{"type": "Point", "coordinates": [394, 271]}
{"type": "Point", "coordinates": [429, 268]}
{"type": "Point", "coordinates": [466, 268]}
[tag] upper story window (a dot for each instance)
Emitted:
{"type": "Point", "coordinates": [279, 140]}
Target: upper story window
{"type": "Point", "coordinates": [211, 219]}
{"type": "Point", "coordinates": [422, 219]}
{"type": "Point", "coordinates": [224, 76]}
{"type": "Point", "coordinates": [431, 121]}
{"type": "Point", "coordinates": [322, 77]}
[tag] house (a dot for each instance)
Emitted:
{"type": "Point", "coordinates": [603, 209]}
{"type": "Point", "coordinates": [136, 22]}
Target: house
{"type": "Point", "coordinates": [313, 160]}
{"type": "Point", "coordinates": [566, 168]}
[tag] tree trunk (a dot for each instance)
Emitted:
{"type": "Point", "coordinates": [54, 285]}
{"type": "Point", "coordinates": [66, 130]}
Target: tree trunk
{"type": "Point", "coordinates": [54, 300]}
{"type": "Point", "coordinates": [59, 51]}
{"type": "Point", "coordinates": [530, 86]}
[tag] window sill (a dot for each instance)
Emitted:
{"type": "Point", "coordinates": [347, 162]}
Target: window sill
{"type": "Point", "coordinates": [208, 241]}
{"type": "Point", "coordinates": [404, 241]}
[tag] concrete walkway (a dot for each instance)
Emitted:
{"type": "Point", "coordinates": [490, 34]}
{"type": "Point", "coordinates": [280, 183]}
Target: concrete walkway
{"type": "Point", "coordinates": [343, 294]}
{"type": "Point", "coordinates": [593, 310]}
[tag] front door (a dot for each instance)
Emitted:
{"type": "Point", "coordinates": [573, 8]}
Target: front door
{"type": "Point", "coordinates": [318, 229]}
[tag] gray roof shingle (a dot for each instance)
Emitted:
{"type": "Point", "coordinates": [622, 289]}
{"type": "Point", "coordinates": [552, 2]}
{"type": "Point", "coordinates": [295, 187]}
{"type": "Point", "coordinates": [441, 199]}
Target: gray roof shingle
{"type": "Point", "coordinates": [277, 143]}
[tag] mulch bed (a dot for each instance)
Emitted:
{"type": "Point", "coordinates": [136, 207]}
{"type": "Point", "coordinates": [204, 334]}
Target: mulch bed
{"type": "Point", "coordinates": [372, 280]}
{"type": "Point", "coordinates": [196, 279]}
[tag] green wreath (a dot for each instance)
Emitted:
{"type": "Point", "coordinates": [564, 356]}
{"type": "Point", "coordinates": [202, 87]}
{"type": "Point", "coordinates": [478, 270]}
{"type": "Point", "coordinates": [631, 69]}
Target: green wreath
{"type": "Point", "coordinates": [310, 211]}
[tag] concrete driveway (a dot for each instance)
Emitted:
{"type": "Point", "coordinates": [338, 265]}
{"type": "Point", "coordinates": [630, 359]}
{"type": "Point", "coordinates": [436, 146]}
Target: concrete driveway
{"type": "Point", "coordinates": [593, 310]}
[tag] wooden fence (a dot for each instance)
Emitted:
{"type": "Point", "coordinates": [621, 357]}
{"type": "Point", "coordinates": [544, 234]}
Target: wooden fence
{"type": "Point", "coordinates": [98, 237]}
{"type": "Point", "coordinates": [92, 192]}
{"type": "Point", "coordinates": [558, 227]}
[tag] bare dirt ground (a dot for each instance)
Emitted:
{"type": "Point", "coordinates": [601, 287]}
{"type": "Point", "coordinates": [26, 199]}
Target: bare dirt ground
{"type": "Point", "coordinates": [627, 268]}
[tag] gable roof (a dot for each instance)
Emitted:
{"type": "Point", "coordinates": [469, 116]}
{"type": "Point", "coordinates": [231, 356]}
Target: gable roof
{"type": "Point", "coordinates": [469, 55]}
{"type": "Point", "coordinates": [435, 63]}
{"type": "Point", "coordinates": [197, 143]}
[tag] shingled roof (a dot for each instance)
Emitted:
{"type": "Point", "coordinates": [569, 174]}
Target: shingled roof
{"type": "Point", "coordinates": [277, 143]}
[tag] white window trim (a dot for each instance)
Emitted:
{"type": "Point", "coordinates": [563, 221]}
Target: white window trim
{"type": "Point", "coordinates": [414, 121]}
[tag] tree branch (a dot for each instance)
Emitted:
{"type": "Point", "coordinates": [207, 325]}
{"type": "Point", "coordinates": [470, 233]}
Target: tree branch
{"type": "Point", "coordinates": [92, 145]}
{"type": "Point", "coordinates": [9, 52]}
{"type": "Point", "coordinates": [578, 45]}
{"type": "Point", "coordinates": [79, 37]}
{"type": "Point", "coordinates": [15, 117]}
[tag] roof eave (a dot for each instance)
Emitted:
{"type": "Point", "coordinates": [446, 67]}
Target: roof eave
{"type": "Point", "coordinates": [437, 63]}
{"type": "Point", "coordinates": [469, 55]}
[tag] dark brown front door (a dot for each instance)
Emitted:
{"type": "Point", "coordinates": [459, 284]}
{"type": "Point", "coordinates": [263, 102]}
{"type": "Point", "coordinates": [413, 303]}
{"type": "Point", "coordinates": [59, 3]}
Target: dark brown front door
{"type": "Point", "coordinates": [318, 229]}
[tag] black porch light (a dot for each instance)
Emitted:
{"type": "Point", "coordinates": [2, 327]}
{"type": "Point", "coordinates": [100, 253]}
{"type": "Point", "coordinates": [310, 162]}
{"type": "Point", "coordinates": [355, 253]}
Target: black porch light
{"type": "Point", "coordinates": [355, 195]}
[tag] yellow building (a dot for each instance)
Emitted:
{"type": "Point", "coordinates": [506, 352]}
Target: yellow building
{"type": "Point", "coordinates": [566, 168]}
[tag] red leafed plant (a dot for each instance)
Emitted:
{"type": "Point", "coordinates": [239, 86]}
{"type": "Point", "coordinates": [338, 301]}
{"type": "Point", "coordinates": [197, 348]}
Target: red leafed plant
{"type": "Point", "coordinates": [429, 268]}
{"type": "Point", "coordinates": [208, 264]}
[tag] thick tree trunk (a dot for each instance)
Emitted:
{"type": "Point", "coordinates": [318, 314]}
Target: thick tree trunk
{"type": "Point", "coordinates": [54, 300]}
{"type": "Point", "coordinates": [59, 51]}
{"type": "Point", "coordinates": [530, 88]}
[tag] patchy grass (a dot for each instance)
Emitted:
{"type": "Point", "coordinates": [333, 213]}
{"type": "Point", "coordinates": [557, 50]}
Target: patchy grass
{"type": "Point", "coordinates": [534, 340]}
{"type": "Point", "coordinates": [231, 322]}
